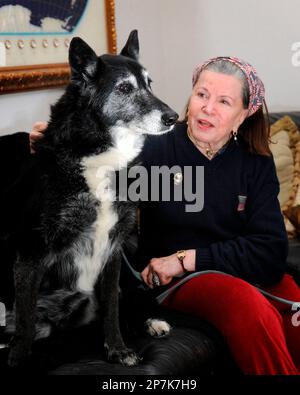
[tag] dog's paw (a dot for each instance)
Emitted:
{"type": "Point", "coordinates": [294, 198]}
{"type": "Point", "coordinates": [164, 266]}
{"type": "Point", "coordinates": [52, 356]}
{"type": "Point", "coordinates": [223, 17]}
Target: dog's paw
{"type": "Point", "coordinates": [124, 356]}
{"type": "Point", "coordinates": [157, 328]}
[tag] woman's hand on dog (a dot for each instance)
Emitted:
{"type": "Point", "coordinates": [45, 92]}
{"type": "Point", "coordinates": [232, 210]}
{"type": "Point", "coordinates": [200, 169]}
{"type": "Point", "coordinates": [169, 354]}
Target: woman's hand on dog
{"type": "Point", "coordinates": [36, 133]}
{"type": "Point", "coordinates": [168, 267]}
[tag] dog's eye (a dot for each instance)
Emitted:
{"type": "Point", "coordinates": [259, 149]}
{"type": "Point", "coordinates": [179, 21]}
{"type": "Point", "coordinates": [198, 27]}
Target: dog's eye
{"type": "Point", "coordinates": [150, 83]}
{"type": "Point", "coordinates": [125, 87]}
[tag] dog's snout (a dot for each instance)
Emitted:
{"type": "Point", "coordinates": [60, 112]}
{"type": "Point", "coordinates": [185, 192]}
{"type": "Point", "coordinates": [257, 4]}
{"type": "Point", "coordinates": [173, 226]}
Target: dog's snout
{"type": "Point", "coordinates": [169, 118]}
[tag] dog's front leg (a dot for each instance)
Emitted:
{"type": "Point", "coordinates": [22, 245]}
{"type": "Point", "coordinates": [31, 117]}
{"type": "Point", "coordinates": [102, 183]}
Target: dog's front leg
{"type": "Point", "coordinates": [26, 280]}
{"type": "Point", "coordinates": [109, 291]}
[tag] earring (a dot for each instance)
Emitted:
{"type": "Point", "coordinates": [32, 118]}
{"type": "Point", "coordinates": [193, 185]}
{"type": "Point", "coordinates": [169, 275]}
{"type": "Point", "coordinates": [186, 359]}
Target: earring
{"type": "Point", "coordinates": [234, 133]}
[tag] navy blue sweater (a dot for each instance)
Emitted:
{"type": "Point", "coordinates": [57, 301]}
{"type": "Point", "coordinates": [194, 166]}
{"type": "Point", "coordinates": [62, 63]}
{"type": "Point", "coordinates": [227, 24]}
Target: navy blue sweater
{"type": "Point", "coordinates": [245, 239]}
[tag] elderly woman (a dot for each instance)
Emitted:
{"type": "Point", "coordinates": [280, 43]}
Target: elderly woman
{"type": "Point", "coordinates": [237, 242]}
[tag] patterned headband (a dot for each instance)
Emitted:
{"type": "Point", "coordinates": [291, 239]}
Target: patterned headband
{"type": "Point", "coordinates": [256, 86]}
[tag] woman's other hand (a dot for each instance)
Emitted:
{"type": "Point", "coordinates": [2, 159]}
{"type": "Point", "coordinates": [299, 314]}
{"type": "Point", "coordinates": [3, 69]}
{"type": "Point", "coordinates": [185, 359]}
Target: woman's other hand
{"type": "Point", "coordinates": [168, 267]}
{"type": "Point", "coordinates": [36, 133]}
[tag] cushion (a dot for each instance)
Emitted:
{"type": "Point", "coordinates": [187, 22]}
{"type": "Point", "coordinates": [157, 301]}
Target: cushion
{"type": "Point", "coordinates": [284, 161]}
{"type": "Point", "coordinates": [293, 215]}
{"type": "Point", "coordinates": [288, 172]}
{"type": "Point", "coordinates": [295, 116]}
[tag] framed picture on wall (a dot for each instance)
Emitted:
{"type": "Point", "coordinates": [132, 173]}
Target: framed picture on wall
{"type": "Point", "coordinates": [35, 36]}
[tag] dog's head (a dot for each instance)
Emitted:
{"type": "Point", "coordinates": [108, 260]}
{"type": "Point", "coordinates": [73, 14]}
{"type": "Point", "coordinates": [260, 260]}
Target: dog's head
{"type": "Point", "coordinates": [117, 88]}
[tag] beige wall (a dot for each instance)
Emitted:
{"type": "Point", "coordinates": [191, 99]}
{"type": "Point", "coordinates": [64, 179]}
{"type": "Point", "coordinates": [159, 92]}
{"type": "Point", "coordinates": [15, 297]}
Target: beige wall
{"type": "Point", "coordinates": [18, 111]}
{"type": "Point", "coordinates": [175, 35]}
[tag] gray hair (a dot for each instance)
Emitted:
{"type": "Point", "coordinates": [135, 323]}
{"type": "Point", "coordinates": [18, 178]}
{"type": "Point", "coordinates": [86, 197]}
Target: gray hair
{"type": "Point", "coordinates": [229, 68]}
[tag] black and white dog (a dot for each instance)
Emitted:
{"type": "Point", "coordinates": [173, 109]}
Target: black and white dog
{"type": "Point", "coordinates": [67, 226]}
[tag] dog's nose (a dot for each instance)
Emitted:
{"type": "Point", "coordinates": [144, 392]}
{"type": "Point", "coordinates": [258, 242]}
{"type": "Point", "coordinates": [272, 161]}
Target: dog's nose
{"type": "Point", "coordinates": [169, 118]}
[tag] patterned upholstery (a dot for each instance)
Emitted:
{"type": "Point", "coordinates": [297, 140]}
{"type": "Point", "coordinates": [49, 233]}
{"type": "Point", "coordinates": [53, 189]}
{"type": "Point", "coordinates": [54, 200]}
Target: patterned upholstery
{"type": "Point", "coordinates": [293, 260]}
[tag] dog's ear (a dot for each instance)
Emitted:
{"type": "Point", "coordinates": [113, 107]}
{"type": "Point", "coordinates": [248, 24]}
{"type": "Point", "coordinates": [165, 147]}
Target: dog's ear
{"type": "Point", "coordinates": [82, 58]}
{"type": "Point", "coordinates": [132, 48]}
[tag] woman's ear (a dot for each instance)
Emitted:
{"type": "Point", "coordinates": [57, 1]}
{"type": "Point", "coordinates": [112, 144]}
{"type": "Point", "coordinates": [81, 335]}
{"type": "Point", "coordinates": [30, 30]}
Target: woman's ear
{"type": "Point", "coordinates": [242, 117]}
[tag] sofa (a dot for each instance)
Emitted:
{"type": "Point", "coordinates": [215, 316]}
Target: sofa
{"type": "Point", "coordinates": [194, 347]}
{"type": "Point", "coordinates": [291, 207]}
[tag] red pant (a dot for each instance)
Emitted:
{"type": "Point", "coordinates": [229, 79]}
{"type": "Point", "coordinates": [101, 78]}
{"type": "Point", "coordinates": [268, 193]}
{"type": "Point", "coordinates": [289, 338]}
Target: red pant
{"type": "Point", "coordinates": [259, 331]}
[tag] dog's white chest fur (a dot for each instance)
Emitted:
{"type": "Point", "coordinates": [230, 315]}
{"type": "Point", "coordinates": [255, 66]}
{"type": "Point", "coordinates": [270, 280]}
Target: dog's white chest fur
{"type": "Point", "coordinates": [98, 172]}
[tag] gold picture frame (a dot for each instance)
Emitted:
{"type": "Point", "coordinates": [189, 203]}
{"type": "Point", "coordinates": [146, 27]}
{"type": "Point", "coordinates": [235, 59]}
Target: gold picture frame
{"type": "Point", "coordinates": [45, 76]}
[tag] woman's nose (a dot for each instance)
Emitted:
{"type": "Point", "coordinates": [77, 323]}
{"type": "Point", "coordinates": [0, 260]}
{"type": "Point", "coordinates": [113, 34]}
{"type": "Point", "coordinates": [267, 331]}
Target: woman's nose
{"type": "Point", "coordinates": [209, 107]}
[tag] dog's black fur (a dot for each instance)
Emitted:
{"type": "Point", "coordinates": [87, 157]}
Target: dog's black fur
{"type": "Point", "coordinates": [68, 239]}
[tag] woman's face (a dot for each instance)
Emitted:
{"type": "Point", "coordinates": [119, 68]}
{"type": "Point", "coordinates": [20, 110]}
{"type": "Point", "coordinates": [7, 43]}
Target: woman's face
{"type": "Point", "coordinates": [215, 107]}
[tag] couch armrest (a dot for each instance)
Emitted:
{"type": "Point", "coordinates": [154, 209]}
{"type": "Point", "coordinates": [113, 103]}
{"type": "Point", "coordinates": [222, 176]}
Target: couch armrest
{"type": "Point", "coordinates": [293, 260]}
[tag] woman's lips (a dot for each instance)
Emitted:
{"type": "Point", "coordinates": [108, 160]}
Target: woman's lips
{"type": "Point", "coordinates": [204, 125]}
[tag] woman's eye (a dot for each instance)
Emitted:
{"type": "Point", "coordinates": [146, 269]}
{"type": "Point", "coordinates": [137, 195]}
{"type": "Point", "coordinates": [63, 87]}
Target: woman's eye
{"type": "Point", "coordinates": [225, 102]}
{"type": "Point", "coordinates": [200, 94]}
{"type": "Point", "coordinates": [125, 87]}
